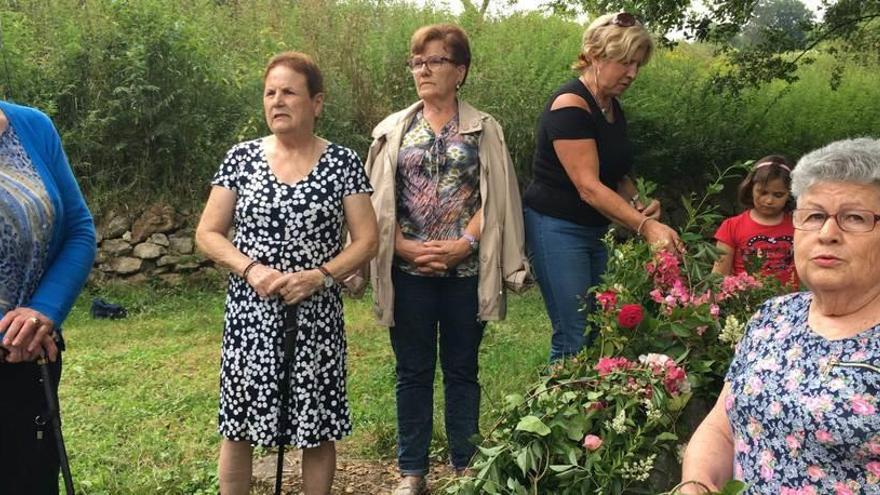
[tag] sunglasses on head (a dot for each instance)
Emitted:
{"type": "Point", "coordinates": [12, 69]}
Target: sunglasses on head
{"type": "Point", "coordinates": [623, 19]}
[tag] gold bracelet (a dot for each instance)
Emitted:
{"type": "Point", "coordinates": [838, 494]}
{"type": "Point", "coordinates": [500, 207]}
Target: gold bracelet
{"type": "Point", "coordinates": [642, 224]}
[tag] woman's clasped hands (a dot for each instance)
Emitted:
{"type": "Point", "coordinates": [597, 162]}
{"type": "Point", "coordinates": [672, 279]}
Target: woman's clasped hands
{"type": "Point", "coordinates": [291, 287]}
{"type": "Point", "coordinates": [433, 257]}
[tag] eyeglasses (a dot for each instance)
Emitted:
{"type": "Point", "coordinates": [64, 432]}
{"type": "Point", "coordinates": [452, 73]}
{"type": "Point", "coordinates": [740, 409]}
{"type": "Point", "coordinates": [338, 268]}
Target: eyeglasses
{"type": "Point", "coordinates": [622, 19]}
{"type": "Point", "coordinates": [433, 63]}
{"type": "Point", "coordinates": [847, 220]}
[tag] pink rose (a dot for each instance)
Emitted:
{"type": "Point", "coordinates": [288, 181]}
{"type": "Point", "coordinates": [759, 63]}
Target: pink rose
{"type": "Point", "coordinates": [861, 406]}
{"type": "Point", "coordinates": [792, 442]}
{"type": "Point", "coordinates": [675, 378]}
{"type": "Point", "coordinates": [607, 300]}
{"type": "Point", "coordinates": [728, 401]}
{"type": "Point", "coordinates": [656, 296]}
{"type": "Point", "coordinates": [607, 365]}
{"type": "Point", "coordinates": [630, 315]}
{"type": "Point", "coordinates": [815, 472]}
{"type": "Point", "coordinates": [874, 468]}
{"type": "Point", "coordinates": [592, 443]}
{"type": "Point", "coordinates": [755, 386]}
{"type": "Point", "coordinates": [840, 488]}
{"type": "Point", "coordinates": [824, 437]}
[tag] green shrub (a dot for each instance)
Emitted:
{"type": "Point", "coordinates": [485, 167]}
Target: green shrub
{"type": "Point", "coordinates": [148, 95]}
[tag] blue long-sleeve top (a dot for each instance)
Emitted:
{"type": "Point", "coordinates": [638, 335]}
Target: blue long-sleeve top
{"type": "Point", "coordinates": [72, 247]}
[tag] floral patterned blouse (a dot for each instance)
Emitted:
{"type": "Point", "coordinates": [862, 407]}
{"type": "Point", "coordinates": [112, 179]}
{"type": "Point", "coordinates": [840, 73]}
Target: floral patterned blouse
{"type": "Point", "coordinates": [803, 409]}
{"type": "Point", "coordinates": [438, 187]}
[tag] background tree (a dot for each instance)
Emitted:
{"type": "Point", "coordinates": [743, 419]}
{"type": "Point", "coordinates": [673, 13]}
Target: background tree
{"type": "Point", "coordinates": [780, 22]}
{"type": "Point", "coordinates": [847, 27]}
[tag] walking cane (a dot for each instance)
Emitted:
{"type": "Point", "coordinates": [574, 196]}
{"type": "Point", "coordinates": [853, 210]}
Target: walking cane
{"type": "Point", "coordinates": [55, 417]}
{"type": "Point", "coordinates": [290, 330]}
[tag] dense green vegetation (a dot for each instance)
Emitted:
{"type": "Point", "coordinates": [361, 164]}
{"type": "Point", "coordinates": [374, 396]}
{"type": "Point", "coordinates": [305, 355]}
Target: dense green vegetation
{"type": "Point", "coordinates": [139, 396]}
{"type": "Point", "coordinates": [149, 94]}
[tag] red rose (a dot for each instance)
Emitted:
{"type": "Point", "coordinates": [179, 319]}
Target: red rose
{"type": "Point", "coordinates": [630, 315]}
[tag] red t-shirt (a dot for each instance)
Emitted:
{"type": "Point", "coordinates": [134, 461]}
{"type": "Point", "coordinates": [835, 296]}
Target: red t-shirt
{"type": "Point", "coordinates": [771, 243]}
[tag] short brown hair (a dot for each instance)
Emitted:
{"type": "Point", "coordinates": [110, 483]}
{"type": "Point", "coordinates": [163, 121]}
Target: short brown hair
{"type": "Point", "coordinates": [764, 170]}
{"type": "Point", "coordinates": [453, 37]}
{"type": "Point", "coordinates": [604, 39]}
{"type": "Point", "coordinates": [302, 63]}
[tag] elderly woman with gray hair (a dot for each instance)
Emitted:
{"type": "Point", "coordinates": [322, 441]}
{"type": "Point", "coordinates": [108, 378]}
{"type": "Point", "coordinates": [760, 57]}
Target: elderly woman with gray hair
{"type": "Point", "coordinates": [799, 411]}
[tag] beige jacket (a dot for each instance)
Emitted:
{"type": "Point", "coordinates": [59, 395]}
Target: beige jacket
{"type": "Point", "coordinates": [503, 263]}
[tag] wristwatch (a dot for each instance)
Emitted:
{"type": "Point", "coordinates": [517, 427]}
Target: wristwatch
{"type": "Point", "coordinates": [475, 244]}
{"type": "Point", "coordinates": [328, 279]}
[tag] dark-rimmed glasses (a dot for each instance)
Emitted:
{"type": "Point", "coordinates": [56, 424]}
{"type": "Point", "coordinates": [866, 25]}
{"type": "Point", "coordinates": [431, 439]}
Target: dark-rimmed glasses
{"type": "Point", "coordinates": [848, 220]}
{"type": "Point", "coordinates": [623, 19]}
{"type": "Point", "coordinates": [434, 63]}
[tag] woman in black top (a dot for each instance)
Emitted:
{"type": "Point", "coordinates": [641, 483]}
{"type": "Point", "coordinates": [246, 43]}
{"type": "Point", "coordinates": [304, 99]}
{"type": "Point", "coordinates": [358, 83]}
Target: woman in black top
{"type": "Point", "coordinates": [581, 182]}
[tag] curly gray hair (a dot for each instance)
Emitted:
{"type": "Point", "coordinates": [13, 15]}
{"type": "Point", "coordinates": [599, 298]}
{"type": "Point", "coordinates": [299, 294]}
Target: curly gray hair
{"type": "Point", "coordinates": [849, 160]}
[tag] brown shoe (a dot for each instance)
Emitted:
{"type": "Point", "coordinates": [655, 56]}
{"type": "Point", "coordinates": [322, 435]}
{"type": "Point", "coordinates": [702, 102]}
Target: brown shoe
{"type": "Point", "coordinates": [411, 485]}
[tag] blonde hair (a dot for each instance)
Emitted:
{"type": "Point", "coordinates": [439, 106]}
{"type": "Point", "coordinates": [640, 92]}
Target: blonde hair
{"type": "Point", "coordinates": [604, 39]}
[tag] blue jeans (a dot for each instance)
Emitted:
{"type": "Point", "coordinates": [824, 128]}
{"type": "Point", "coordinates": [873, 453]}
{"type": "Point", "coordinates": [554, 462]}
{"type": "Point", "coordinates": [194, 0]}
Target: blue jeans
{"type": "Point", "coordinates": [568, 259]}
{"type": "Point", "coordinates": [423, 308]}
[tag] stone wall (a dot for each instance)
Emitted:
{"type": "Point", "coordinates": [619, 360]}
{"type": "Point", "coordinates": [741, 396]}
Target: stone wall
{"type": "Point", "coordinates": [155, 243]}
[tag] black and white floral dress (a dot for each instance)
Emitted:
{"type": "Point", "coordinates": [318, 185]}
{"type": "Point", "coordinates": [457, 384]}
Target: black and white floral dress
{"type": "Point", "coordinates": [291, 228]}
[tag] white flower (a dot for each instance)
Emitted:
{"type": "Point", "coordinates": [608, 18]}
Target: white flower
{"type": "Point", "coordinates": [732, 331]}
{"type": "Point", "coordinates": [654, 360]}
{"type": "Point", "coordinates": [652, 413]}
{"type": "Point", "coordinates": [640, 470]}
{"type": "Point", "coordinates": [618, 424]}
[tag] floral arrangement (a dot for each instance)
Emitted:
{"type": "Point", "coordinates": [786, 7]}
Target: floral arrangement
{"type": "Point", "coordinates": [609, 421]}
{"type": "Point", "coordinates": [586, 428]}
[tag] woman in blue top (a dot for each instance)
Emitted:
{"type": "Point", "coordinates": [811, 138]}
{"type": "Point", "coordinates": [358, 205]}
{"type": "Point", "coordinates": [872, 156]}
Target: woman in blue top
{"type": "Point", "coordinates": [800, 410]}
{"type": "Point", "coordinates": [47, 246]}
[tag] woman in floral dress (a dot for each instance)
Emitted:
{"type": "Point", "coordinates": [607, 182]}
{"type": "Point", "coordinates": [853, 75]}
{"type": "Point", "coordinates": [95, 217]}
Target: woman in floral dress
{"type": "Point", "coordinates": [798, 414]}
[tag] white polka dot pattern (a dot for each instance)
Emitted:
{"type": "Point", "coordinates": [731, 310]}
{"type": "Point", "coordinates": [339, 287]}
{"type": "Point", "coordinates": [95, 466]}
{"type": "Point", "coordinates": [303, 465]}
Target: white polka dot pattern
{"type": "Point", "coordinates": [291, 228]}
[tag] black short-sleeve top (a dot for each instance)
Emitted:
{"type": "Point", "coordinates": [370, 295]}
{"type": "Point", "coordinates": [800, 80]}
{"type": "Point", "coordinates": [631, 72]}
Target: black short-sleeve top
{"type": "Point", "coordinates": [551, 191]}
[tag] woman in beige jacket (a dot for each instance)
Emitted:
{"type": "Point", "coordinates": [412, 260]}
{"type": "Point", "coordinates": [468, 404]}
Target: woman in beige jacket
{"type": "Point", "coordinates": [450, 242]}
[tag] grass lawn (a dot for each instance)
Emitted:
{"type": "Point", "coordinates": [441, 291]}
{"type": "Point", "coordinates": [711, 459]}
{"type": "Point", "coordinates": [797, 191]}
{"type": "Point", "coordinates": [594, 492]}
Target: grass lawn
{"type": "Point", "coordinates": [139, 395]}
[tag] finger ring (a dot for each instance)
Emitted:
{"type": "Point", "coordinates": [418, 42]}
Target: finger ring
{"type": "Point", "coordinates": [34, 320]}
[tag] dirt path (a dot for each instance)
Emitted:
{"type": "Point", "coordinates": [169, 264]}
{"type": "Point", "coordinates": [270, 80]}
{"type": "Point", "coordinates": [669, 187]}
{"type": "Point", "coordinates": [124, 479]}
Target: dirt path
{"type": "Point", "coordinates": [353, 476]}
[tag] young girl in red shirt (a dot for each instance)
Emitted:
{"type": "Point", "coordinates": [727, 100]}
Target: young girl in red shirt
{"type": "Point", "coordinates": [761, 236]}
